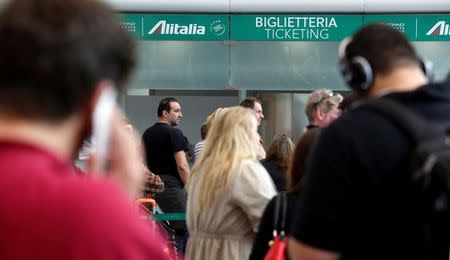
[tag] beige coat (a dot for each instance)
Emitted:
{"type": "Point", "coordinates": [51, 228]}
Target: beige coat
{"type": "Point", "coordinates": [226, 230]}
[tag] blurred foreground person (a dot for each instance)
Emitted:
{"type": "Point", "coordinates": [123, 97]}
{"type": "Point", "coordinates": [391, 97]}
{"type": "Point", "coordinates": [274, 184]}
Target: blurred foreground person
{"type": "Point", "coordinates": [56, 60]}
{"type": "Point", "coordinates": [360, 199]}
{"type": "Point", "coordinates": [228, 189]}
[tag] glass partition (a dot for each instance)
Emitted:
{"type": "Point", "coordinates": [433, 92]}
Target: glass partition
{"type": "Point", "coordinates": [292, 66]}
{"type": "Point", "coordinates": [181, 65]}
{"type": "Point", "coordinates": [278, 66]}
{"type": "Point", "coordinates": [437, 53]}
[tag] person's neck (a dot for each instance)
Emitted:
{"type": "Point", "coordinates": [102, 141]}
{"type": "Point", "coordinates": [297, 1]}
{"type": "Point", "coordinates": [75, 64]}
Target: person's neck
{"type": "Point", "coordinates": [163, 121]}
{"type": "Point", "coordinates": [317, 123]}
{"type": "Point", "coordinates": [400, 80]}
{"type": "Point", "coordinates": [61, 139]}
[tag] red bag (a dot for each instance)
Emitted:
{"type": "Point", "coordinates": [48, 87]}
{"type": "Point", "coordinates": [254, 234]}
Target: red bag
{"type": "Point", "coordinates": [278, 245]}
{"type": "Point", "coordinates": [278, 249]}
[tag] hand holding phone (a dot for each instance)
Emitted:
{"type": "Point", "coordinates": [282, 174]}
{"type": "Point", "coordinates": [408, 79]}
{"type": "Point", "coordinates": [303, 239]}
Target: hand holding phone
{"type": "Point", "coordinates": [117, 149]}
{"type": "Point", "coordinates": [101, 127]}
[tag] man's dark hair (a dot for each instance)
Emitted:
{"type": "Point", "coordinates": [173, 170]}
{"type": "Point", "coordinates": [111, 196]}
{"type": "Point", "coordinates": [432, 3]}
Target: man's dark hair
{"type": "Point", "coordinates": [249, 102]}
{"type": "Point", "coordinates": [164, 105]}
{"type": "Point", "coordinates": [203, 131]}
{"type": "Point", "coordinates": [349, 100]}
{"type": "Point", "coordinates": [53, 53]}
{"type": "Point", "coordinates": [384, 47]}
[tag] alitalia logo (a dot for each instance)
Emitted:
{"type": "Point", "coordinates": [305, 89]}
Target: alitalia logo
{"type": "Point", "coordinates": [163, 27]}
{"type": "Point", "coordinates": [440, 28]}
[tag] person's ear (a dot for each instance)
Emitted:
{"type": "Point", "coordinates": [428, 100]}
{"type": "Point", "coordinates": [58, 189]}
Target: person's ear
{"type": "Point", "coordinates": [165, 114]}
{"type": "Point", "coordinates": [320, 114]}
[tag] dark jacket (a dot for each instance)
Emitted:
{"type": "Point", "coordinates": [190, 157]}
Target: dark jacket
{"type": "Point", "coordinates": [277, 174]}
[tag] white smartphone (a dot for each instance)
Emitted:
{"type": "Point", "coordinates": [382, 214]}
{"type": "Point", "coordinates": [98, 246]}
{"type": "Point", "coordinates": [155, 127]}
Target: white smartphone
{"type": "Point", "coordinates": [101, 127]}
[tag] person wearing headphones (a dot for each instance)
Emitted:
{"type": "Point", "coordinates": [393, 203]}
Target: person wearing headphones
{"type": "Point", "coordinates": [357, 201]}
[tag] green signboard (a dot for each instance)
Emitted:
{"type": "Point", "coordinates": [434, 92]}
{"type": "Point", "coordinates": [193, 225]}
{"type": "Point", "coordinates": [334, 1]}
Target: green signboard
{"type": "Point", "coordinates": [132, 24]}
{"type": "Point", "coordinates": [293, 27]}
{"type": "Point", "coordinates": [417, 27]}
{"type": "Point", "coordinates": [433, 28]}
{"type": "Point", "coordinates": [268, 27]}
{"type": "Point", "coordinates": [404, 23]}
{"type": "Point", "coordinates": [176, 26]}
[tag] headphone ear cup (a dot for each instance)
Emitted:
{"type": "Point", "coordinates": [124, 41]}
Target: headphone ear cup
{"type": "Point", "coordinates": [427, 68]}
{"type": "Point", "coordinates": [357, 73]}
{"type": "Point", "coordinates": [345, 70]}
{"type": "Point", "coordinates": [364, 75]}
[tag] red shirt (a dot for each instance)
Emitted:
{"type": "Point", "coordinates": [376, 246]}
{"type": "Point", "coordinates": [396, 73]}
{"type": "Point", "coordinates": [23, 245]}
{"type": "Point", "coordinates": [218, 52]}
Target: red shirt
{"type": "Point", "coordinates": [48, 212]}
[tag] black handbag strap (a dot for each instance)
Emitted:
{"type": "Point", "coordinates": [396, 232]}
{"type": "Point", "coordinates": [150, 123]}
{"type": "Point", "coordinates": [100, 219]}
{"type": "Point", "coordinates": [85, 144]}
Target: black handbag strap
{"type": "Point", "coordinates": [283, 210]}
{"type": "Point", "coordinates": [279, 213]}
{"type": "Point", "coordinates": [276, 212]}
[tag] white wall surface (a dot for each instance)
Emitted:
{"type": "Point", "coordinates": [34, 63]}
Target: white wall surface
{"type": "Point", "coordinates": [411, 6]}
{"type": "Point", "coordinates": [281, 6]}
{"type": "Point", "coordinates": [194, 6]}
{"type": "Point", "coordinates": [296, 6]}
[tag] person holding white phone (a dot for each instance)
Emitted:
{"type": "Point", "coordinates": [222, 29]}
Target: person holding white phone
{"type": "Point", "coordinates": [60, 61]}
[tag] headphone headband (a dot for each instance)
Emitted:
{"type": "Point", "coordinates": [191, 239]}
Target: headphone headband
{"type": "Point", "coordinates": [358, 73]}
{"type": "Point", "coordinates": [343, 46]}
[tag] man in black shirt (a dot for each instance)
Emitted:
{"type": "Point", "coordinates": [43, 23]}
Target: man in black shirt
{"type": "Point", "coordinates": [357, 202]}
{"type": "Point", "coordinates": [165, 150]}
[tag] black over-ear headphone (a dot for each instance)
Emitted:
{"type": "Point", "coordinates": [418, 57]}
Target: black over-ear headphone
{"type": "Point", "coordinates": [358, 73]}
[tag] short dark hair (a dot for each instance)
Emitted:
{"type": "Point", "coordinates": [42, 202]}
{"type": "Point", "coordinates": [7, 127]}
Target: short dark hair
{"type": "Point", "coordinates": [54, 53]}
{"type": "Point", "coordinates": [384, 47]}
{"type": "Point", "coordinates": [203, 131]}
{"type": "Point", "coordinates": [164, 105]}
{"type": "Point", "coordinates": [349, 100]}
{"type": "Point", "coordinates": [249, 102]}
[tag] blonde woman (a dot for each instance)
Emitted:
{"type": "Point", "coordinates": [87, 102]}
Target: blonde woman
{"type": "Point", "coordinates": [228, 189]}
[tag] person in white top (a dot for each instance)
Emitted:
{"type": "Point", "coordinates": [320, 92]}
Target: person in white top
{"type": "Point", "coordinates": [204, 130]}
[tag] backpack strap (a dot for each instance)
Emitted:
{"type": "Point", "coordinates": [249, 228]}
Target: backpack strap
{"type": "Point", "coordinates": [415, 127]}
{"type": "Point", "coordinates": [419, 130]}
